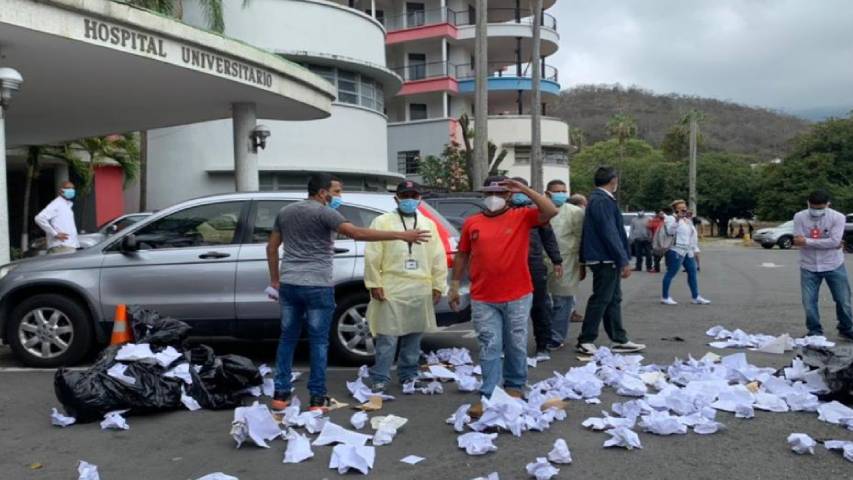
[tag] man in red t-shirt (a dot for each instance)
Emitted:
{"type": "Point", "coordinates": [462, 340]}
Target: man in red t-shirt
{"type": "Point", "coordinates": [494, 247]}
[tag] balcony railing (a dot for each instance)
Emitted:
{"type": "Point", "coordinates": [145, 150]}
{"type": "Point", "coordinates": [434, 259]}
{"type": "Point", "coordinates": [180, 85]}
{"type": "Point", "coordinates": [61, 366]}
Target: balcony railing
{"type": "Point", "coordinates": [420, 18]}
{"type": "Point", "coordinates": [424, 71]}
{"type": "Point", "coordinates": [508, 69]}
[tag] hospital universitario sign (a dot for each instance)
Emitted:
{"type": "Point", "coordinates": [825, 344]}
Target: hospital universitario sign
{"type": "Point", "coordinates": [140, 43]}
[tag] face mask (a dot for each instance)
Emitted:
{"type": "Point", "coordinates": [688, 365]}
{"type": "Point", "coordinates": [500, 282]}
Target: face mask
{"type": "Point", "coordinates": [335, 202]}
{"type": "Point", "coordinates": [520, 199]}
{"type": "Point", "coordinates": [559, 198]}
{"type": "Point", "coordinates": [68, 193]}
{"type": "Point", "coordinates": [817, 212]}
{"type": "Point", "coordinates": [495, 203]}
{"type": "Point", "coordinates": [408, 206]}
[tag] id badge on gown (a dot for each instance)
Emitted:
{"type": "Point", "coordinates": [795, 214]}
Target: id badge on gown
{"type": "Point", "coordinates": [411, 264]}
{"type": "Point", "coordinates": [814, 233]}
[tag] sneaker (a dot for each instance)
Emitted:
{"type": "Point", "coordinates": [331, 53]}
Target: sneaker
{"type": "Point", "coordinates": [846, 335]}
{"type": "Point", "coordinates": [587, 348]}
{"type": "Point", "coordinates": [542, 355]}
{"type": "Point", "coordinates": [476, 411]}
{"type": "Point", "coordinates": [280, 400]}
{"type": "Point", "coordinates": [627, 347]}
{"type": "Point", "coordinates": [668, 301]}
{"type": "Point", "coordinates": [554, 345]}
{"type": "Point", "coordinates": [319, 402]}
{"type": "Point", "coordinates": [701, 301]}
{"type": "Point", "coordinates": [378, 387]}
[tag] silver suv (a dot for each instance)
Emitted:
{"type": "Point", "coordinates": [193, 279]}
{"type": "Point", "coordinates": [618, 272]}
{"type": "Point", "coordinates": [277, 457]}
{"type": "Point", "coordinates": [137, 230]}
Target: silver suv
{"type": "Point", "coordinates": [202, 261]}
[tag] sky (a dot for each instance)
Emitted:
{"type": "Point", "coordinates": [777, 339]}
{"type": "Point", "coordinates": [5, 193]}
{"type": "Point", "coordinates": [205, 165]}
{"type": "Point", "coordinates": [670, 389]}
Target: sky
{"type": "Point", "coordinates": [783, 54]}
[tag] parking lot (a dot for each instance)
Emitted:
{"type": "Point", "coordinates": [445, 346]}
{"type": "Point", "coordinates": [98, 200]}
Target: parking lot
{"type": "Point", "coordinates": [753, 289]}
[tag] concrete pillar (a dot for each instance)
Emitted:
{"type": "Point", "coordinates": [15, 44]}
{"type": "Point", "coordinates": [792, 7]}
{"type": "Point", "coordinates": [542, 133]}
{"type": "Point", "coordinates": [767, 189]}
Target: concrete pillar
{"type": "Point", "coordinates": [245, 160]}
{"type": "Point", "coordinates": [5, 253]}
{"type": "Point", "coordinates": [60, 175]}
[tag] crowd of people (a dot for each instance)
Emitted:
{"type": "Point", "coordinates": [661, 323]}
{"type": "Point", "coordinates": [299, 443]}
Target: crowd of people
{"type": "Point", "coordinates": [525, 256]}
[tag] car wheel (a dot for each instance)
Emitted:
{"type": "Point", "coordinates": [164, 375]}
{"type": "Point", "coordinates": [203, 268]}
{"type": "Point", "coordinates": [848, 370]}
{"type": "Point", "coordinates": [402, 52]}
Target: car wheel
{"type": "Point", "coordinates": [768, 246]}
{"type": "Point", "coordinates": [785, 243]}
{"type": "Point", "coordinates": [350, 335]}
{"type": "Point", "coordinates": [49, 331]}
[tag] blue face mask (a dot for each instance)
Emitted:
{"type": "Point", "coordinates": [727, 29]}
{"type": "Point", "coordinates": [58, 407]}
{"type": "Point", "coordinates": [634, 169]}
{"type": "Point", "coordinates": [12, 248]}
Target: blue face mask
{"type": "Point", "coordinates": [559, 198]}
{"type": "Point", "coordinates": [519, 199]}
{"type": "Point", "coordinates": [408, 206]}
{"type": "Point", "coordinates": [335, 202]}
{"type": "Point", "coordinates": [68, 193]}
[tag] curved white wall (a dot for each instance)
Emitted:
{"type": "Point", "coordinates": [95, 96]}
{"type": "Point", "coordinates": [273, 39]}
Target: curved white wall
{"type": "Point", "coordinates": [301, 25]}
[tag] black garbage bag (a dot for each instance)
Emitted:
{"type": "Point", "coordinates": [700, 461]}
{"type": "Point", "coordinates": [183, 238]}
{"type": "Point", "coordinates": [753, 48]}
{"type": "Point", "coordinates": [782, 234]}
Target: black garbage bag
{"type": "Point", "coordinates": [221, 381]}
{"type": "Point", "coordinates": [89, 395]}
{"type": "Point", "coordinates": [836, 366]}
{"type": "Point", "coordinates": [149, 327]}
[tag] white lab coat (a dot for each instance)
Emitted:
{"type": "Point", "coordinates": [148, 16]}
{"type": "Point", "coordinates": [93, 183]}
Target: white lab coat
{"type": "Point", "coordinates": [58, 217]}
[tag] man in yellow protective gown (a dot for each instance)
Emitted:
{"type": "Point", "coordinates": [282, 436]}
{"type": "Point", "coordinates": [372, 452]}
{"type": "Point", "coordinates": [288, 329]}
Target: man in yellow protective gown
{"type": "Point", "coordinates": [405, 282]}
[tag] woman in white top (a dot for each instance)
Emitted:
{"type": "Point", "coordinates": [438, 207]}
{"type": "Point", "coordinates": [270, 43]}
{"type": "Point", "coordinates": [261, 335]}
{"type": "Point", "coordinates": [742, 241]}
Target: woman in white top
{"type": "Point", "coordinates": [685, 246]}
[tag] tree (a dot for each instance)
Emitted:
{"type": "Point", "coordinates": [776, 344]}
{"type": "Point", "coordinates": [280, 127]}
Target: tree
{"type": "Point", "coordinates": [493, 156]}
{"type": "Point", "coordinates": [726, 187]}
{"type": "Point", "coordinates": [622, 127]}
{"type": "Point", "coordinates": [175, 8]}
{"type": "Point", "coordinates": [119, 150]}
{"type": "Point", "coordinates": [447, 171]}
{"type": "Point", "coordinates": [577, 138]}
{"type": "Point", "coordinates": [631, 159]}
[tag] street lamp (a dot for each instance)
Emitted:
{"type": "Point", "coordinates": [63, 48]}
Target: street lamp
{"type": "Point", "coordinates": [10, 82]}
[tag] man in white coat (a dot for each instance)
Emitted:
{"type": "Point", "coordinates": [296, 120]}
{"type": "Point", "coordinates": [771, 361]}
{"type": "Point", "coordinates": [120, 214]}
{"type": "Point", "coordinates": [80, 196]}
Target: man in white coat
{"type": "Point", "coordinates": [57, 221]}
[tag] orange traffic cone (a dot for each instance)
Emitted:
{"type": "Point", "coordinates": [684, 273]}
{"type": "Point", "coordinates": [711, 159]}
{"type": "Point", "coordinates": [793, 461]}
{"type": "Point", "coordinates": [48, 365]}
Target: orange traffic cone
{"type": "Point", "coordinates": [121, 330]}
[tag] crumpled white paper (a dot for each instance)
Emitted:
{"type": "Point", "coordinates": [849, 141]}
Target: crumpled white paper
{"type": "Point", "coordinates": [167, 356]}
{"type": "Point", "coordinates": [476, 443]}
{"type": "Point", "coordinates": [801, 443]}
{"type": "Point", "coordinates": [60, 420]}
{"type": "Point", "coordinates": [135, 352]}
{"type": "Point", "coordinates": [834, 412]}
{"type": "Point", "coordinates": [843, 445]}
{"type": "Point", "coordinates": [358, 457]}
{"type": "Point", "coordinates": [358, 420]}
{"type": "Point", "coordinates": [87, 471]}
{"type": "Point", "coordinates": [491, 476]}
{"type": "Point", "coordinates": [622, 437]}
{"type": "Point", "coordinates": [333, 433]}
{"type": "Point", "coordinates": [217, 476]}
{"type": "Point", "coordinates": [182, 371]}
{"type": "Point", "coordinates": [362, 392]}
{"type": "Point", "coordinates": [384, 435]}
{"type": "Point", "coordinates": [439, 372]}
{"type": "Point", "coordinates": [298, 448]}
{"type": "Point", "coordinates": [255, 422]}
{"type": "Point", "coordinates": [118, 370]}
{"type": "Point", "coordinates": [114, 421]}
{"type": "Point", "coordinates": [467, 383]}
{"type": "Point", "coordinates": [188, 401]}
{"type": "Point", "coordinates": [264, 369]}
{"type": "Point", "coordinates": [560, 453]}
{"type": "Point", "coordinates": [432, 388]}
{"type": "Point", "coordinates": [460, 418]}
{"type": "Point", "coordinates": [389, 421]}
{"type": "Point", "coordinates": [541, 469]}
{"type": "Point", "coordinates": [412, 459]}
{"type": "Point", "coordinates": [662, 423]}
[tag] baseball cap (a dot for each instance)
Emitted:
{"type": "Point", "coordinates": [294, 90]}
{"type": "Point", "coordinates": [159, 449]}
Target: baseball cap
{"type": "Point", "coordinates": [408, 186]}
{"type": "Point", "coordinates": [492, 184]}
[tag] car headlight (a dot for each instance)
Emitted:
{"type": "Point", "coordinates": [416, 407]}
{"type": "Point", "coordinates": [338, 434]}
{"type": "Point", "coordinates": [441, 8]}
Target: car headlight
{"type": "Point", "coordinates": [5, 269]}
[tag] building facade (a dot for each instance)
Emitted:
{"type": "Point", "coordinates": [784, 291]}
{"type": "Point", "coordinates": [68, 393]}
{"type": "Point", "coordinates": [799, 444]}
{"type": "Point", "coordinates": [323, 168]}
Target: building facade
{"type": "Point", "coordinates": [430, 44]}
{"type": "Point", "coordinates": [341, 43]}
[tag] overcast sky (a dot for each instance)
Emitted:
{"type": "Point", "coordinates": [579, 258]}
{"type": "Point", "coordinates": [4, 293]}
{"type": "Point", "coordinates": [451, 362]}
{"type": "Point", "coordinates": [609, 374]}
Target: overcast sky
{"type": "Point", "coordinates": [788, 54]}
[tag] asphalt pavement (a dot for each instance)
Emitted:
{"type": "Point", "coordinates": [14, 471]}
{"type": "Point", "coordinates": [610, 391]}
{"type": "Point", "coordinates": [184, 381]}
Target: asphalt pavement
{"type": "Point", "coordinates": [751, 289]}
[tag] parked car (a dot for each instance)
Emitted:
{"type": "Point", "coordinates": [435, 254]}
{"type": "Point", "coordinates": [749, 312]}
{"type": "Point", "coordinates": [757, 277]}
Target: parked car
{"type": "Point", "coordinates": [202, 261]}
{"type": "Point", "coordinates": [782, 235]}
{"type": "Point", "coordinates": [39, 245]}
{"type": "Point", "coordinates": [455, 207]}
{"type": "Point", "coordinates": [627, 218]}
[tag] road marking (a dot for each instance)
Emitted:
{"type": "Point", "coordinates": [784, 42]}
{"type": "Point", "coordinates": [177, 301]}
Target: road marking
{"type": "Point", "coordinates": [770, 265]}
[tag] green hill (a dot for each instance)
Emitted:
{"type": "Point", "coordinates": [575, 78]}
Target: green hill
{"type": "Point", "coordinates": [728, 126]}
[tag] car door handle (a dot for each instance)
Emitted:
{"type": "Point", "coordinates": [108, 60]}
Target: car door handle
{"type": "Point", "coordinates": [341, 250]}
{"type": "Point", "coordinates": [214, 255]}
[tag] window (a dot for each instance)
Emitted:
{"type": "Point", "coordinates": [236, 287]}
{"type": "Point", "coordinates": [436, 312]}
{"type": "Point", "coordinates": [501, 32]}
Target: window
{"type": "Point", "coordinates": [265, 213]}
{"type": "Point", "coordinates": [417, 111]}
{"type": "Point", "coordinates": [348, 87]}
{"type": "Point", "coordinates": [459, 209]}
{"type": "Point", "coordinates": [417, 66]}
{"type": "Point", "coordinates": [407, 162]}
{"type": "Point", "coordinates": [359, 217]}
{"type": "Point", "coordinates": [415, 15]}
{"type": "Point", "coordinates": [204, 225]}
{"type": "Point", "coordinates": [522, 155]}
{"type": "Point", "coordinates": [550, 156]}
{"type": "Point", "coordinates": [353, 88]}
{"type": "Point", "coordinates": [368, 94]}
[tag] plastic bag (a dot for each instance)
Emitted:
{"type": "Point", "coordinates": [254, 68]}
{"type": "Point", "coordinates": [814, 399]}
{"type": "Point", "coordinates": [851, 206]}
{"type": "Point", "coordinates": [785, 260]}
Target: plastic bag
{"type": "Point", "coordinates": [835, 364]}
{"type": "Point", "coordinates": [220, 380]}
{"type": "Point", "coordinates": [149, 327]}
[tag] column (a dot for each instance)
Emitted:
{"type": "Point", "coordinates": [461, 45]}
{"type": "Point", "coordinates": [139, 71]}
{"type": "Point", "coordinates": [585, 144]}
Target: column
{"type": "Point", "coordinates": [60, 175]}
{"type": "Point", "coordinates": [5, 253]}
{"type": "Point", "coordinates": [245, 159]}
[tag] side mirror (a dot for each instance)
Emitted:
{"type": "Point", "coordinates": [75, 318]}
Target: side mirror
{"type": "Point", "coordinates": [129, 243]}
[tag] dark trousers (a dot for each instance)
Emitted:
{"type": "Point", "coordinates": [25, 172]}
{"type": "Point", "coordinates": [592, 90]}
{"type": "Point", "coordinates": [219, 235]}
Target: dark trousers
{"type": "Point", "coordinates": [657, 259]}
{"type": "Point", "coordinates": [605, 305]}
{"type": "Point", "coordinates": [540, 310]}
{"type": "Point", "coordinates": [643, 250]}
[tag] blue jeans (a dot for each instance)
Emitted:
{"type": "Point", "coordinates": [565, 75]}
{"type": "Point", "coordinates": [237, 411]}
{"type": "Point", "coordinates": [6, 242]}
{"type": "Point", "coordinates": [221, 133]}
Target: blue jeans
{"type": "Point", "coordinates": [674, 262]}
{"type": "Point", "coordinates": [561, 313]}
{"type": "Point", "coordinates": [312, 307]}
{"type": "Point", "coordinates": [502, 328]}
{"type": "Point", "coordinates": [407, 364]}
{"type": "Point", "coordinates": [839, 287]}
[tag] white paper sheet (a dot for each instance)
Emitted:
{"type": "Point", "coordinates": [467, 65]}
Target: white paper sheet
{"type": "Point", "coordinates": [440, 372]}
{"type": "Point", "coordinates": [560, 453]}
{"type": "Point", "coordinates": [118, 370]}
{"type": "Point", "coordinates": [264, 369]}
{"type": "Point", "coordinates": [114, 421]}
{"type": "Point", "coordinates": [60, 420]}
{"type": "Point", "coordinates": [622, 437]}
{"type": "Point", "coordinates": [412, 459]}
{"type": "Point", "coordinates": [358, 457]}
{"type": "Point", "coordinates": [541, 469]}
{"type": "Point", "coordinates": [801, 443]}
{"type": "Point", "coordinates": [188, 401]}
{"type": "Point", "coordinates": [272, 293]}
{"type": "Point", "coordinates": [167, 356]}
{"type": "Point", "coordinates": [843, 445]}
{"type": "Point", "coordinates": [333, 433]}
{"type": "Point", "coordinates": [476, 443]}
{"type": "Point", "coordinates": [298, 448]}
{"type": "Point", "coordinates": [217, 476]}
{"type": "Point", "coordinates": [662, 423]}
{"type": "Point", "coordinates": [362, 392]}
{"type": "Point", "coordinates": [467, 383]}
{"type": "Point", "coordinates": [133, 352]}
{"type": "Point", "coordinates": [181, 371]}
{"type": "Point", "coordinates": [834, 412]}
{"type": "Point", "coordinates": [87, 471]}
{"type": "Point", "coordinates": [384, 436]}
{"type": "Point", "coordinates": [358, 420]}
{"type": "Point", "coordinates": [777, 346]}
{"type": "Point", "coordinates": [491, 476]}
{"type": "Point", "coordinates": [460, 418]}
{"type": "Point", "coordinates": [390, 421]}
{"type": "Point", "coordinates": [256, 423]}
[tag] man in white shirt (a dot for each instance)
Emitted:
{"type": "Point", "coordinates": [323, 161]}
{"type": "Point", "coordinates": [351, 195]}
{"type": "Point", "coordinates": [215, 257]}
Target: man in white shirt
{"type": "Point", "coordinates": [57, 221]}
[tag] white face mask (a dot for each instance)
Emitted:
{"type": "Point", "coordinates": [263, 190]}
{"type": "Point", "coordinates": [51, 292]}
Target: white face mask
{"type": "Point", "coordinates": [495, 203]}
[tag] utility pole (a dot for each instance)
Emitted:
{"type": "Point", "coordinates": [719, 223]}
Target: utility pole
{"type": "Point", "coordinates": [481, 96]}
{"type": "Point", "coordinates": [536, 173]}
{"type": "Point", "coordinates": [694, 132]}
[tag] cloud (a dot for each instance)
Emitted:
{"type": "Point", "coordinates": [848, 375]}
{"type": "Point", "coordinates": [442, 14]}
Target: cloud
{"type": "Point", "coordinates": [788, 54]}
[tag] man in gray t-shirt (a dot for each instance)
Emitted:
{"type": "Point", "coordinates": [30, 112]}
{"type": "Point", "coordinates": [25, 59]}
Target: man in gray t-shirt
{"type": "Point", "coordinates": [307, 230]}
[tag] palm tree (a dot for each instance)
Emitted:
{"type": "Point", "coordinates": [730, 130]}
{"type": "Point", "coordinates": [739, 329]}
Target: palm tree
{"type": "Point", "coordinates": [175, 8]}
{"type": "Point", "coordinates": [622, 127]}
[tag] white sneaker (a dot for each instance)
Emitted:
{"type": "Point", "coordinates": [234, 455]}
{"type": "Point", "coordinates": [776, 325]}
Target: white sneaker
{"type": "Point", "coordinates": [587, 348]}
{"type": "Point", "coordinates": [668, 301]}
{"type": "Point", "coordinates": [627, 347]}
{"type": "Point", "coordinates": [701, 301]}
